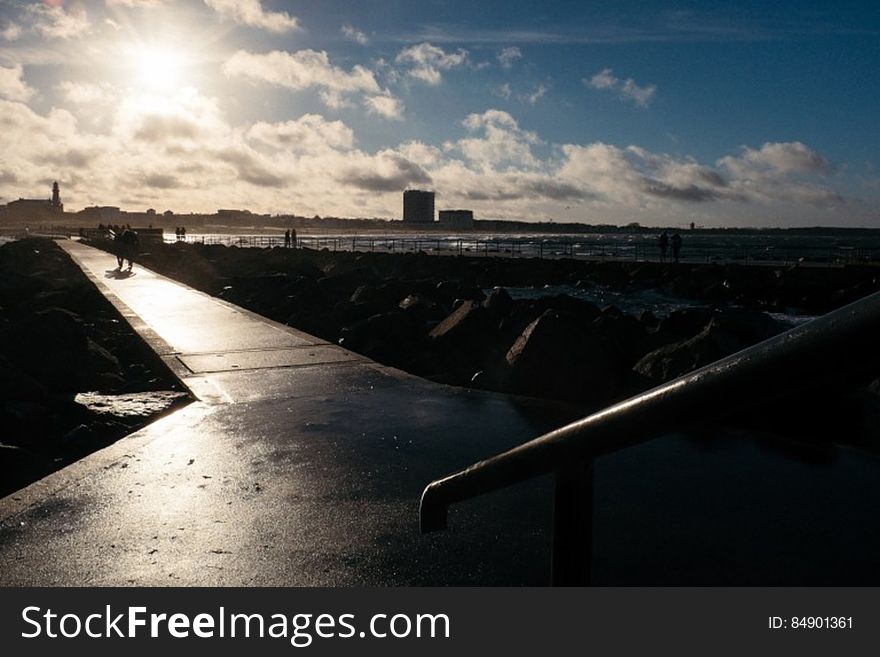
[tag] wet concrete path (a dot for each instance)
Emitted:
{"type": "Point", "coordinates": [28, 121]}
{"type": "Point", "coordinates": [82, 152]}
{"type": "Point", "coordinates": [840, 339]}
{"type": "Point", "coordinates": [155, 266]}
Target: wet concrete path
{"type": "Point", "coordinates": [300, 464]}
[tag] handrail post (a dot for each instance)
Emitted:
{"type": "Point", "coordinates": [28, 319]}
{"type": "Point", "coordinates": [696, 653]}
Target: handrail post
{"type": "Point", "coordinates": [572, 557]}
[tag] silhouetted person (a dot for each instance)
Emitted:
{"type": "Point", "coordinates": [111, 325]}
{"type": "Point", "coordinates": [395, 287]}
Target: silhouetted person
{"type": "Point", "coordinates": [293, 237]}
{"type": "Point", "coordinates": [183, 233]}
{"type": "Point", "coordinates": [130, 244]}
{"type": "Point", "coordinates": [664, 245]}
{"type": "Point", "coordinates": [177, 233]}
{"type": "Point", "coordinates": [286, 239]}
{"type": "Point", "coordinates": [676, 246]}
{"type": "Point", "coordinates": [118, 247]}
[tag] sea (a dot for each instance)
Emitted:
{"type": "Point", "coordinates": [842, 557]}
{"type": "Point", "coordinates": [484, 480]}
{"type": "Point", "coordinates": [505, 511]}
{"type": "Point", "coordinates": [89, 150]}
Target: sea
{"type": "Point", "coordinates": [830, 249]}
{"type": "Point", "coordinates": [772, 248]}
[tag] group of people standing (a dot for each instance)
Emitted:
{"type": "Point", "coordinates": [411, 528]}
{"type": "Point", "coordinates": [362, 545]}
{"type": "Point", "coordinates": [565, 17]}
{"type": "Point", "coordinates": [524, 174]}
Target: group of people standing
{"type": "Point", "coordinates": [665, 241]}
{"type": "Point", "coordinates": [126, 243]}
{"type": "Point", "coordinates": [180, 233]}
{"type": "Point", "coordinates": [290, 238]}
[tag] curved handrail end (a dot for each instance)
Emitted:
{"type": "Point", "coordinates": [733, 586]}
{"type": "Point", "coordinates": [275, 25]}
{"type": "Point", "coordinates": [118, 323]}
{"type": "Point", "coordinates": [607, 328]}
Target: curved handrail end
{"type": "Point", "coordinates": [432, 510]}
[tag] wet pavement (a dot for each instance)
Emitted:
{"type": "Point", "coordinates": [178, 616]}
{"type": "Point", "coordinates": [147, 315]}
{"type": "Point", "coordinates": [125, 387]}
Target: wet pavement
{"type": "Point", "coordinates": [300, 464]}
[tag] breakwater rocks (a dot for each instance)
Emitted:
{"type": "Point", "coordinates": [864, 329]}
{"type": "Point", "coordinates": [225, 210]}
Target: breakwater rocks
{"type": "Point", "coordinates": [450, 319]}
{"type": "Point", "coordinates": [59, 337]}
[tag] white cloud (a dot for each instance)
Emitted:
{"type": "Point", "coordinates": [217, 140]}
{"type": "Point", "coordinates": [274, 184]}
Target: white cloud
{"type": "Point", "coordinates": [11, 31]}
{"type": "Point", "coordinates": [309, 133]}
{"type": "Point", "coordinates": [387, 107]}
{"type": "Point", "coordinates": [55, 22]}
{"type": "Point", "coordinates": [134, 3]}
{"type": "Point", "coordinates": [251, 12]}
{"type": "Point", "coordinates": [508, 56]}
{"type": "Point", "coordinates": [536, 95]}
{"type": "Point", "coordinates": [182, 153]}
{"type": "Point", "coordinates": [353, 34]}
{"type": "Point", "coordinates": [428, 61]}
{"type": "Point", "coordinates": [503, 91]}
{"type": "Point", "coordinates": [84, 93]}
{"type": "Point", "coordinates": [501, 142]}
{"type": "Point", "coordinates": [776, 158]}
{"type": "Point", "coordinates": [627, 89]}
{"type": "Point", "coordinates": [12, 84]}
{"type": "Point", "coordinates": [304, 69]}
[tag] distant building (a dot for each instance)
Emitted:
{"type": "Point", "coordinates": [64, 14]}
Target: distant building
{"type": "Point", "coordinates": [29, 209]}
{"type": "Point", "coordinates": [104, 214]}
{"type": "Point", "coordinates": [457, 218]}
{"type": "Point", "coordinates": [418, 207]}
{"type": "Point", "coordinates": [57, 205]}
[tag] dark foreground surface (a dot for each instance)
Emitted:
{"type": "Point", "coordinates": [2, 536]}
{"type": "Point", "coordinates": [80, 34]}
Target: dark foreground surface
{"type": "Point", "coordinates": [309, 472]}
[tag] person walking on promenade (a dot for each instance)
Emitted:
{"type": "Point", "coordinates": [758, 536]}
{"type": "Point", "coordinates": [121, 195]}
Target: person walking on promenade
{"type": "Point", "coordinates": [676, 247]}
{"type": "Point", "coordinates": [130, 243]}
{"type": "Point", "coordinates": [664, 245]}
{"type": "Point", "coordinates": [118, 247]}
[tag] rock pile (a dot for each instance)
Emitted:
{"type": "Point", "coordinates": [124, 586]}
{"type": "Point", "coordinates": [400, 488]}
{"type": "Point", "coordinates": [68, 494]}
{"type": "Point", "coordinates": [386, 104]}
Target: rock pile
{"type": "Point", "coordinates": [59, 337]}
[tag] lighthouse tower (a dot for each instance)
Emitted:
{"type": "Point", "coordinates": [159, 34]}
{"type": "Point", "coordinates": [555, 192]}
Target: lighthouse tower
{"type": "Point", "coordinates": [57, 205]}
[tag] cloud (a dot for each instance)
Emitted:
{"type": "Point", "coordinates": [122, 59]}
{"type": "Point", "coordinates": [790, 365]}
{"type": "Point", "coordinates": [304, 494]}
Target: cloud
{"type": "Point", "coordinates": [85, 93]}
{"type": "Point", "coordinates": [508, 56]}
{"type": "Point", "coordinates": [627, 89]}
{"type": "Point", "coordinates": [387, 107]}
{"type": "Point", "coordinates": [249, 167]}
{"type": "Point", "coordinates": [160, 128]}
{"type": "Point", "coordinates": [251, 12]}
{"type": "Point", "coordinates": [134, 3]}
{"type": "Point", "coordinates": [12, 84]}
{"type": "Point", "coordinates": [11, 31]}
{"type": "Point", "coordinates": [162, 181]}
{"type": "Point", "coordinates": [353, 34]}
{"type": "Point", "coordinates": [536, 95]}
{"type": "Point", "coordinates": [499, 141]}
{"type": "Point", "coordinates": [776, 158]}
{"type": "Point", "coordinates": [503, 91]}
{"type": "Point", "coordinates": [55, 22]}
{"type": "Point", "coordinates": [310, 133]}
{"type": "Point", "coordinates": [426, 61]}
{"type": "Point", "coordinates": [387, 172]}
{"type": "Point", "coordinates": [179, 151]}
{"type": "Point", "coordinates": [304, 69]}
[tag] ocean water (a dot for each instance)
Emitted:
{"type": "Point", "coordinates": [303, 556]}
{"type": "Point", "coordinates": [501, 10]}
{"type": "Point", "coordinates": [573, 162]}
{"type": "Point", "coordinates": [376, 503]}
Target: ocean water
{"type": "Point", "coordinates": [696, 247]}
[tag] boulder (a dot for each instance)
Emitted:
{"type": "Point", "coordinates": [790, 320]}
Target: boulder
{"type": "Point", "coordinates": [464, 323]}
{"type": "Point", "coordinates": [553, 358]}
{"type": "Point", "coordinates": [498, 303]}
{"type": "Point", "coordinates": [726, 333]}
{"type": "Point", "coordinates": [386, 336]}
{"type": "Point", "coordinates": [684, 323]}
{"type": "Point", "coordinates": [422, 308]}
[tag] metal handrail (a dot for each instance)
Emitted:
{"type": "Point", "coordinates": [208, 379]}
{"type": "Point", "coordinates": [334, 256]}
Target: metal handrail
{"type": "Point", "coordinates": [841, 344]}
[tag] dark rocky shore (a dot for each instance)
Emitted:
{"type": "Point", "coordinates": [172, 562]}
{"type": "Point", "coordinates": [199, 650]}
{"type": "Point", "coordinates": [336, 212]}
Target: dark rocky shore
{"type": "Point", "coordinates": [74, 377]}
{"type": "Point", "coordinates": [450, 319]}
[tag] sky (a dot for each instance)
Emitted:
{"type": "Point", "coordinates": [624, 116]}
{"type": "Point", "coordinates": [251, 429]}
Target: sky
{"type": "Point", "coordinates": [717, 113]}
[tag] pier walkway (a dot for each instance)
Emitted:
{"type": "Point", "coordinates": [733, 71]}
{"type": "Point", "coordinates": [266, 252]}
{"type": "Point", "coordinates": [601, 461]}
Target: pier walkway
{"type": "Point", "coordinates": [300, 463]}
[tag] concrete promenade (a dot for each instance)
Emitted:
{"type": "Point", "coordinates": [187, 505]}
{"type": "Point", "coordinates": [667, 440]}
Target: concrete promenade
{"type": "Point", "coordinates": [300, 463]}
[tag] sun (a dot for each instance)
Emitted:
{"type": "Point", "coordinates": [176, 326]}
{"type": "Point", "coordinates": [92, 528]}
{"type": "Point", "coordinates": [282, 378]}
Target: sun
{"type": "Point", "coordinates": [158, 68]}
